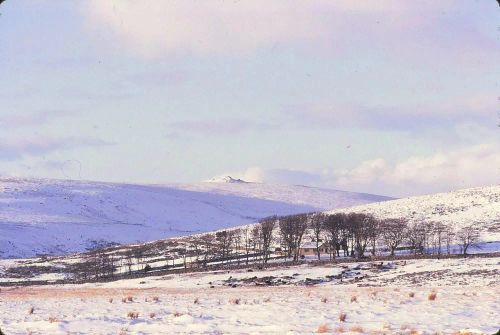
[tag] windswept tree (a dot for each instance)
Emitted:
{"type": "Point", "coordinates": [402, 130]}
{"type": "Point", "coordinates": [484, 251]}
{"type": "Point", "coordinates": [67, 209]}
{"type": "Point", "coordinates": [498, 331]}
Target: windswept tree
{"type": "Point", "coordinates": [467, 237]}
{"type": "Point", "coordinates": [317, 222]}
{"type": "Point", "coordinates": [394, 231]}
{"type": "Point", "coordinates": [266, 228]}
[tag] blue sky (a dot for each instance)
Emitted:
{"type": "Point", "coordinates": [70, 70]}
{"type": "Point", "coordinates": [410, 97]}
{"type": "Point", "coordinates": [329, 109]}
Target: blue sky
{"type": "Point", "coordinates": [396, 98]}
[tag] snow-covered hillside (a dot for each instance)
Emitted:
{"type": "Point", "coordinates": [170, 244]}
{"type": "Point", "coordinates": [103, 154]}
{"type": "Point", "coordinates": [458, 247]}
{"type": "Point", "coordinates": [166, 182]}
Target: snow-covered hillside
{"type": "Point", "coordinates": [461, 208]}
{"type": "Point", "coordinates": [56, 217]}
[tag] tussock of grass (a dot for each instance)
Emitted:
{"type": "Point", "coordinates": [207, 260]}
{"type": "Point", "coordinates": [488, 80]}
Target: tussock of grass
{"type": "Point", "coordinates": [196, 301]}
{"type": "Point", "coordinates": [152, 315]}
{"type": "Point", "coordinates": [130, 299]}
{"type": "Point", "coordinates": [156, 299]}
{"type": "Point", "coordinates": [432, 296]}
{"type": "Point", "coordinates": [342, 317]}
{"type": "Point", "coordinates": [324, 300]}
{"type": "Point", "coordinates": [354, 299]}
{"type": "Point", "coordinates": [53, 319]}
{"type": "Point", "coordinates": [323, 329]}
{"type": "Point", "coordinates": [411, 294]}
{"type": "Point", "coordinates": [133, 315]}
{"type": "Point", "coordinates": [31, 310]}
{"type": "Point", "coordinates": [356, 329]}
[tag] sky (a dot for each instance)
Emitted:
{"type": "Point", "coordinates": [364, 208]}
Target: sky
{"type": "Point", "coordinates": [390, 97]}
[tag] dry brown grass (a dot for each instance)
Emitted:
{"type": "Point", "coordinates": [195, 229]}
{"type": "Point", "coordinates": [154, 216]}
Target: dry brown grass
{"type": "Point", "coordinates": [31, 310]}
{"type": "Point", "coordinates": [324, 300]}
{"type": "Point", "coordinates": [53, 319]}
{"type": "Point", "coordinates": [177, 314]}
{"type": "Point", "coordinates": [267, 299]}
{"type": "Point", "coordinates": [432, 296]}
{"type": "Point", "coordinates": [356, 329]}
{"type": "Point", "coordinates": [196, 301]}
{"type": "Point", "coordinates": [323, 329]}
{"type": "Point", "coordinates": [152, 315]}
{"type": "Point", "coordinates": [411, 294]}
{"type": "Point", "coordinates": [339, 330]}
{"type": "Point", "coordinates": [124, 300]}
{"type": "Point", "coordinates": [130, 298]}
{"type": "Point", "coordinates": [354, 298]}
{"type": "Point", "coordinates": [342, 317]}
{"type": "Point", "coordinates": [156, 299]}
{"type": "Point", "coordinates": [133, 315]}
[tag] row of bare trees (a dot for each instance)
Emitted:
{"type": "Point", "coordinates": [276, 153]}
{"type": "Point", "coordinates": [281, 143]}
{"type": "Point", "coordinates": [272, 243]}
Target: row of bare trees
{"type": "Point", "coordinates": [354, 233]}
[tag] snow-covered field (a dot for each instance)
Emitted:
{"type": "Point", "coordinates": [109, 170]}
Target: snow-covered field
{"type": "Point", "coordinates": [461, 208]}
{"type": "Point", "coordinates": [412, 297]}
{"type": "Point", "coordinates": [56, 216]}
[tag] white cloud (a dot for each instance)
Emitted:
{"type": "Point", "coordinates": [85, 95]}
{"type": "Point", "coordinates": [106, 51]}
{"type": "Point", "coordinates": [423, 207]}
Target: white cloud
{"type": "Point", "coordinates": [444, 171]}
{"type": "Point", "coordinates": [466, 167]}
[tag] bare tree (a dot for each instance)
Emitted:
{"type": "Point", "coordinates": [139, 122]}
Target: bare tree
{"type": "Point", "coordinates": [247, 241]}
{"type": "Point", "coordinates": [394, 231]}
{"type": "Point", "coordinates": [129, 260]}
{"type": "Point", "coordinates": [224, 243]}
{"type": "Point", "coordinates": [467, 237]}
{"type": "Point", "coordinates": [138, 253]}
{"type": "Point", "coordinates": [415, 236]}
{"type": "Point", "coordinates": [292, 229]}
{"type": "Point", "coordinates": [208, 244]}
{"type": "Point", "coordinates": [333, 226]}
{"type": "Point", "coordinates": [449, 237]}
{"type": "Point", "coordinates": [237, 243]}
{"type": "Point", "coordinates": [439, 231]}
{"type": "Point", "coordinates": [257, 240]}
{"type": "Point", "coordinates": [362, 226]}
{"type": "Point", "coordinates": [373, 231]}
{"type": "Point", "coordinates": [286, 230]}
{"type": "Point", "coordinates": [266, 228]}
{"type": "Point", "coordinates": [317, 225]}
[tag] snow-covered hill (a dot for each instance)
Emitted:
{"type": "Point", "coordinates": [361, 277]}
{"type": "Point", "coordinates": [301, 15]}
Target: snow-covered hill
{"type": "Point", "coordinates": [57, 217]}
{"type": "Point", "coordinates": [461, 208]}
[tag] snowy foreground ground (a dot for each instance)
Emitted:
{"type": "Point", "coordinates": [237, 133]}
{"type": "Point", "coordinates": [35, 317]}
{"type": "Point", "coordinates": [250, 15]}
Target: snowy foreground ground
{"type": "Point", "coordinates": [455, 296]}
